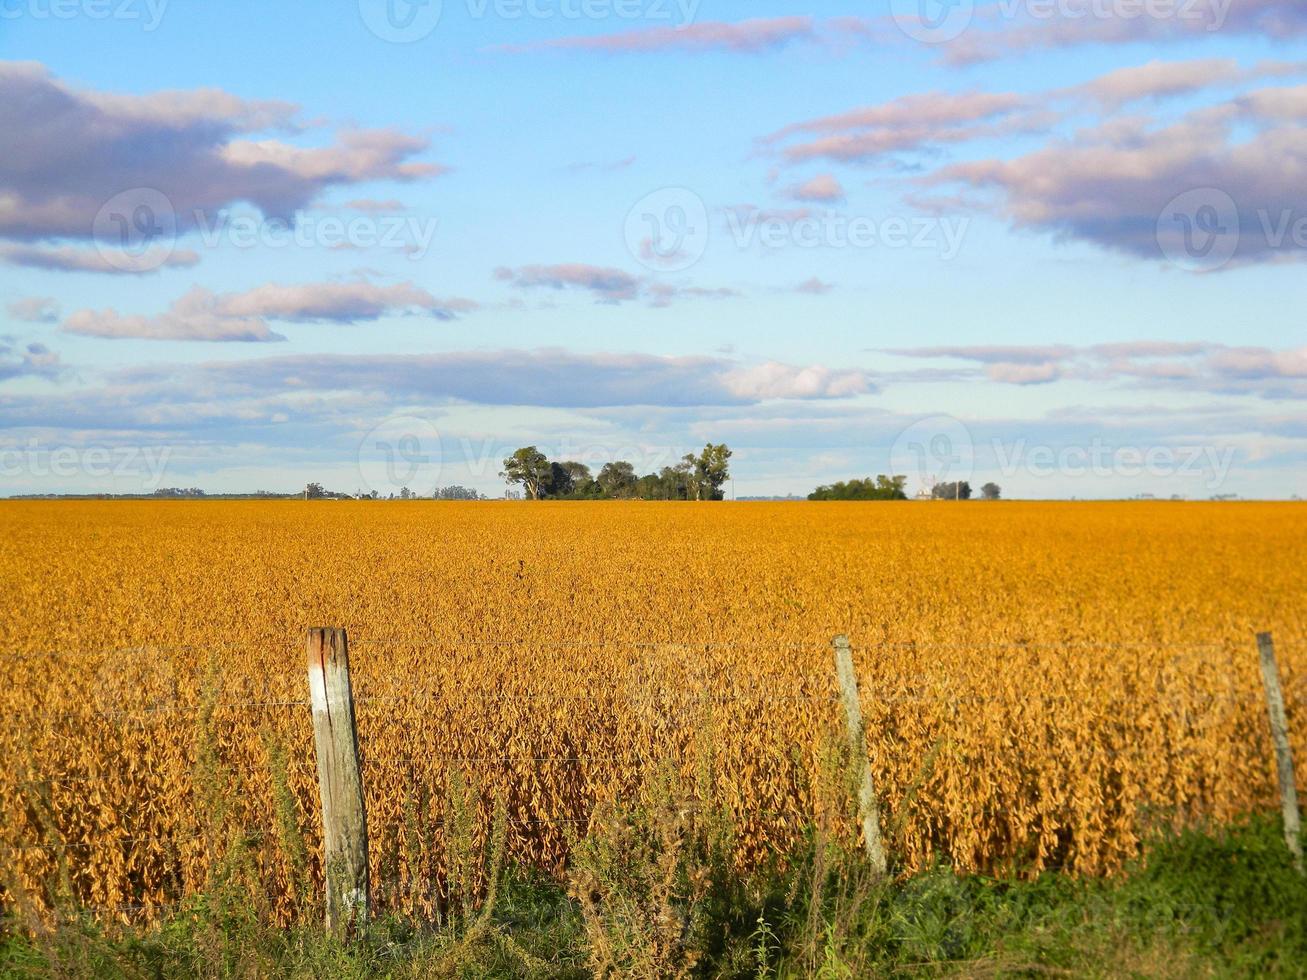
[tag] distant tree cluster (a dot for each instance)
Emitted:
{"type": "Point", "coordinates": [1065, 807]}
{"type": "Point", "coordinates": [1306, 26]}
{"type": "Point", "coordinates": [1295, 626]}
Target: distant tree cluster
{"type": "Point", "coordinates": [894, 488]}
{"type": "Point", "coordinates": [960, 490]}
{"type": "Point", "coordinates": [700, 477]}
{"type": "Point", "coordinates": [178, 492]}
{"type": "Point", "coordinates": [455, 492]}
{"type": "Point", "coordinates": [315, 491]}
{"type": "Point", "coordinates": [881, 488]}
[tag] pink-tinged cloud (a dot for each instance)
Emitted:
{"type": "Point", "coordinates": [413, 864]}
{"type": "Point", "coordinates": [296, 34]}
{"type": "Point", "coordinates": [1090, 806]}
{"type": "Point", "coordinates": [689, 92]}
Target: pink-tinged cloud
{"type": "Point", "coordinates": [339, 302]}
{"type": "Point", "coordinates": [662, 294]}
{"type": "Point", "coordinates": [549, 377]}
{"type": "Point", "coordinates": [824, 189]}
{"type": "Point", "coordinates": [1285, 104]}
{"type": "Point", "coordinates": [774, 380]}
{"type": "Point", "coordinates": [1072, 23]}
{"type": "Point", "coordinates": [1184, 365]}
{"type": "Point", "coordinates": [1160, 79]}
{"type": "Point", "coordinates": [912, 122]}
{"type": "Point", "coordinates": [35, 360]}
{"type": "Point", "coordinates": [34, 309]}
{"type": "Point", "coordinates": [68, 258]}
{"type": "Point", "coordinates": [243, 317]}
{"type": "Point", "coordinates": [607, 285]}
{"type": "Point", "coordinates": [1023, 374]}
{"type": "Point", "coordinates": [742, 37]}
{"type": "Point", "coordinates": [1119, 185]}
{"type": "Point", "coordinates": [991, 353]}
{"type": "Point", "coordinates": [70, 152]}
{"type": "Point", "coordinates": [814, 287]}
{"type": "Point", "coordinates": [367, 205]}
{"type": "Point", "coordinates": [1259, 362]}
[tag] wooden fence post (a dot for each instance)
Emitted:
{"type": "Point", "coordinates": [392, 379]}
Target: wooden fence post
{"type": "Point", "coordinates": [868, 809]}
{"type": "Point", "coordinates": [1283, 755]}
{"type": "Point", "coordinates": [340, 782]}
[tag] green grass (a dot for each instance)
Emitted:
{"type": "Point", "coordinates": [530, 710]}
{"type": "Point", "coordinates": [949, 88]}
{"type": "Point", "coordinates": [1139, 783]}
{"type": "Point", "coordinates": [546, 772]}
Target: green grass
{"type": "Point", "coordinates": [1224, 903]}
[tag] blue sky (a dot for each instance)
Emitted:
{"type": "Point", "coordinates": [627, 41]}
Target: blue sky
{"type": "Point", "coordinates": [1053, 244]}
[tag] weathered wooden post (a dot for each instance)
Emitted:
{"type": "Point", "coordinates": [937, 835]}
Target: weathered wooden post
{"type": "Point", "coordinates": [1283, 755]}
{"type": "Point", "coordinates": [868, 808]}
{"type": "Point", "coordinates": [340, 782]}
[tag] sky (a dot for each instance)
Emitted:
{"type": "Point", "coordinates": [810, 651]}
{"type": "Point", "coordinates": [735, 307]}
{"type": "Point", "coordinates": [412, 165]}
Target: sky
{"type": "Point", "coordinates": [1052, 244]}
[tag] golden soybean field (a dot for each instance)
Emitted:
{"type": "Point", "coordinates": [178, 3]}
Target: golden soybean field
{"type": "Point", "coordinates": [1042, 684]}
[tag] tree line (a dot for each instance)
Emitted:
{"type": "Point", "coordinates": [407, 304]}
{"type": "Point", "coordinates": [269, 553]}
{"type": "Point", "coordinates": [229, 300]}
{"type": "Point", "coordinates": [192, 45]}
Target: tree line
{"type": "Point", "coordinates": [700, 477]}
{"type": "Point", "coordinates": [893, 488]}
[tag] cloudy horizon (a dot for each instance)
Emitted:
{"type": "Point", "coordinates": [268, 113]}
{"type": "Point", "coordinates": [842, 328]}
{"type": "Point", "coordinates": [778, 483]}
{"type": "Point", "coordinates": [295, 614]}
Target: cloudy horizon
{"type": "Point", "coordinates": [1054, 246]}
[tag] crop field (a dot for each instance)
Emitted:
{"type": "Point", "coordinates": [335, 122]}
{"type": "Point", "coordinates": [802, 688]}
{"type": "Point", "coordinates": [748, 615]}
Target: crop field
{"type": "Point", "coordinates": [1042, 684]}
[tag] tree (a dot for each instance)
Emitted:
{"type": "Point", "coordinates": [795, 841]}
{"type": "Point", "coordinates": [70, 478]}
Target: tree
{"type": "Point", "coordinates": [314, 491]}
{"type": "Point", "coordinates": [951, 491]}
{"type": "Point", "coordinates": [650, 487]}
{"type": "Point", "coordinates": [882, 488]}
{"type": "Point", "coordinates": [569, 479]}
{"type": "Point", "coordinates": [991, 491]}
{"type": "Point", "coordinates": [676, 480]}
{"type": "Point", "coordinates": [529, 467]}
{"type": "Point", "coordinates": [558, 483]}
{"type": "Point", "coordinates": [617, 479]}
{"type": "Point", "coordinates": [694, 478]}
{"type": "Point", "coordinates": [711, 471]}
{"type": "Point", "coordinates": [455, 492]}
